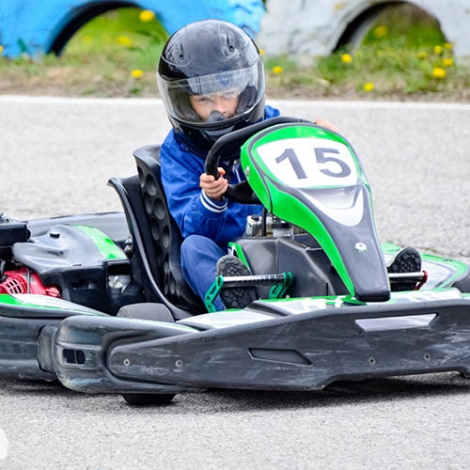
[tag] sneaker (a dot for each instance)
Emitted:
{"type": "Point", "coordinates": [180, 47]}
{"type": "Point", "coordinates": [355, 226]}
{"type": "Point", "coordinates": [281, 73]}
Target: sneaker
{"type": "Point", "coordinates": [407, 260]}
{"type": "Point", "coordinates": [235, 297]}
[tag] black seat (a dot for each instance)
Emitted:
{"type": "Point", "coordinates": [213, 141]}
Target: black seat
{"type": "Point", "coordinates": [157, 239]}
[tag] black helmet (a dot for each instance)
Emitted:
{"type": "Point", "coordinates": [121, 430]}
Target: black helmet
{"type": "Point", "coordinates": [204, 57]}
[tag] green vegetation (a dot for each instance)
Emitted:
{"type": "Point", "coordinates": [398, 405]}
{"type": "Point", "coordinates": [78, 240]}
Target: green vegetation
{"type": "Point", "coordinates": [114, 55]}
{"type": "Point", "coordinates": [404, 55]}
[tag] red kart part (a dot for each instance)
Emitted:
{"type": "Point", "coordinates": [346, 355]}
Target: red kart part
{"type": "Point", "coordinates": [24, 281]}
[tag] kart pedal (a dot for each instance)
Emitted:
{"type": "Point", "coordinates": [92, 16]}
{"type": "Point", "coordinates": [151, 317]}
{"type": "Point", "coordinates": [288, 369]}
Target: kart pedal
{"type": "Point", "coordinates": [413, 281]}
{"type": "Point", "coordinates": [236, 285]}
{"type": "Point", "coordinates": [254, 280]}
{"type": "Point", "coordinates": [231, 287]}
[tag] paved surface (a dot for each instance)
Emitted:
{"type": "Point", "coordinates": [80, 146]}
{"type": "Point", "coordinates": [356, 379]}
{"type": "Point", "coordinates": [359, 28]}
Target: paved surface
{"type": "Point", "coordinates": [55, 158]}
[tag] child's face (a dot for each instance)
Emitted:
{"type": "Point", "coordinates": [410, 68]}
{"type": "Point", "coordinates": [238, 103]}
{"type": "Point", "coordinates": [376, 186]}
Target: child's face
{"type": "Point", "coordinates": [225, 103]}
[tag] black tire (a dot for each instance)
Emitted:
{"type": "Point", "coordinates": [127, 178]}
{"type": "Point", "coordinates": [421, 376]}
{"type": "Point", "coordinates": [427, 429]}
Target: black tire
{"type": "Point", "coordinates": [147, 311]}
{"type": "Point", "coordinates": [148, 399]}
{"type": "Point", "coordinates": [463, 285]}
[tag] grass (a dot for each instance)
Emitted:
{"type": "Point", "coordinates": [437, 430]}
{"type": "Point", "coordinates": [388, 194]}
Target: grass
{"type": "Point", "coordinates": [404, 56]}
{"type": "Point", "coordinates": [113, 55]}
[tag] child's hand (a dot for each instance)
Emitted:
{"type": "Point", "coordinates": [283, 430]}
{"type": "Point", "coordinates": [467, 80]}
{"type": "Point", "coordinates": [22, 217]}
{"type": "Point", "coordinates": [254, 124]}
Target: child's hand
{"type": "Point", "coordinates": [325, 123]}
{"type": "Point", "coordinates": [213, 188]}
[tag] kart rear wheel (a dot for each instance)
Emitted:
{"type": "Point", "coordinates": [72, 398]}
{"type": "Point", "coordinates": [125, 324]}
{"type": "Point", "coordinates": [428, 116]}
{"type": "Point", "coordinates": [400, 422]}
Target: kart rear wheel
{"type": "Point", "coordinates": [147, 311]}
{"type": "Point", "coordinates": [148, 399]}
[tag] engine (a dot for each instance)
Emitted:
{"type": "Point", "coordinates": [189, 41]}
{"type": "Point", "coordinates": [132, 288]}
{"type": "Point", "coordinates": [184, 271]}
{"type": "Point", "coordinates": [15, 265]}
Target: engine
{"type": "Point", "coordinates": [77, 263]}
{"type": "Point", "coordinates": [24, 281]}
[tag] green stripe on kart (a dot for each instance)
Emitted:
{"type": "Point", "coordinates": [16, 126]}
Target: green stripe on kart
{"type": "Point", "coordinates": [37, 301]}
{"type": "Point", "coordinates": [108, 249]}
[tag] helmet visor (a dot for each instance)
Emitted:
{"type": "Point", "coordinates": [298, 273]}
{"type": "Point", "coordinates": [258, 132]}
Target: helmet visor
{"type": "Point", "coordinates": [247, 85]}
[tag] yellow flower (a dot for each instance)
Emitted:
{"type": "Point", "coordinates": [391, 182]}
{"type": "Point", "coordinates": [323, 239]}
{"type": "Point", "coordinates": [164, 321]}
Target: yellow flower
{"type": "Point", "coordinates": [380, 32]}
{"type": "Point", "coordinates": [448, 62]}
{"type": "Point", "coordinates": [448, 45]}
{"type": "Point", "coordinates": [124, 41]}
{"type": "Point", "coordinates": [438, 49]}
{"type": "Point", "coordinates": [277, 70]}
{"type": "Point", "coordinates": [1, 50]}
{"type": "Point", "coordinates": [439, 72]}
{"type": "Point", "coordinates": [346, 58]}
{"type": "Point", "coordinates": [369, 86]}
{"type": "Point", "coordinates": [137, 74]}
{"type": "Point", "coordinates": [261, 51]}
{"type": "Point", "coordinates": [146, 16]}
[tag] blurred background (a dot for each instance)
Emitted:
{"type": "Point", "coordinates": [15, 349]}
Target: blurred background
{"type": "Point", "coordinates": [402, 54]}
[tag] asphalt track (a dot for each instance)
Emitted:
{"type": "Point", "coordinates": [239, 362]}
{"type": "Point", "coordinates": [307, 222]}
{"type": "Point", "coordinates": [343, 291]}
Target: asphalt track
{"type": "Point", "coordinates": [56, 156]}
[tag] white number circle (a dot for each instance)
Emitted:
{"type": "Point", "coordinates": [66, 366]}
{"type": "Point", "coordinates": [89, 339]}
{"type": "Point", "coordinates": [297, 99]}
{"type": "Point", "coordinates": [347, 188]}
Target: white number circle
{"type": "Point", "coordinates": [309, 162]}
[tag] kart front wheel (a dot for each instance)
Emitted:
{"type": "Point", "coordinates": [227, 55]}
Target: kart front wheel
{"type": "Point", "coordinates": [148, 399]}
{"type": "Point", "coordinates": [463, 285]}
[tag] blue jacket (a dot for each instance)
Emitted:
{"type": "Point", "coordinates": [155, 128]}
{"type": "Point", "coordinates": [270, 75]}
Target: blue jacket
{"type": "Point", "coordinates": [192, 210]}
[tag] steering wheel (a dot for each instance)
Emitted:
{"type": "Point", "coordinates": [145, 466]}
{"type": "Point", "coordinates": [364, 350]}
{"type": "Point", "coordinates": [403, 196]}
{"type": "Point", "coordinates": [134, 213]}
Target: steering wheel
{"type": "Point", "coordinates": [229, 145]}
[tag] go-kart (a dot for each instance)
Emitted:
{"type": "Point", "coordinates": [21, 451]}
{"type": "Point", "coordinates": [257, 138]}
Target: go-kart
{"type": "Point", "coordinates": [98, 301]}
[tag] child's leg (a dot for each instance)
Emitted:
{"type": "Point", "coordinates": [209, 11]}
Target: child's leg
{"type": "Point", "coordinates": [199, 256]}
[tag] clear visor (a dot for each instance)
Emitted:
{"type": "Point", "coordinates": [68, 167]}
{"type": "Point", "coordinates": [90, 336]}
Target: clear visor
{"type": "Point", "coordinates": [245, 84]}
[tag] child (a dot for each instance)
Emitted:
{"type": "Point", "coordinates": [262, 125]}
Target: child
{"type": "Point", "coordinates": [211, 80]}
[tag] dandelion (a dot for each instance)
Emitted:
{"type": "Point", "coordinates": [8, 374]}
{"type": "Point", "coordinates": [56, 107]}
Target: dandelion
{"type": "Point", "coordinates": [346, 58]}
{"type": "Point", "coordinates": [124, 41]}
{"type": "Point", "coordinates": [146, 16]}
{"type": "Point", "coordinates": [448, 45]}
{"type": "Point", "coordinates": [277, 70]}
{"type": "Point", "coordinates": [380, 32]}
{"type": "Point", "coordinates": [438, 49]}
{"type": "Point", "coordinates": [1, 50]}
{"type": "Point", "coordinates": [368, 87]}
{"type": "Point", "coordinates": [137, 74]}
{"type": "Point", "coordinates": [262, 52]}
{"type": "Point", "coordinates": [439, 72]}
{"type": "Point", "coordinates": [448, 62]}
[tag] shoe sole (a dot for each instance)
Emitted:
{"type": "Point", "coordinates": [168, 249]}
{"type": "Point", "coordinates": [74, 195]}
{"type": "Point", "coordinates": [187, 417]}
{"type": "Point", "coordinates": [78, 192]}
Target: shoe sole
{"type": "Point", "coordinates": [235, 297]}
{"type": "Point", "coordinates": [407, 260]}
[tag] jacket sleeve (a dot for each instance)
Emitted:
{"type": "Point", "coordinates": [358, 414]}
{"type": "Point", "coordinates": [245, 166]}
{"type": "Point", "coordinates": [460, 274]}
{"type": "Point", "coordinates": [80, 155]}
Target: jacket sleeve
{"type": "Point", "coordinates": [192, 210]}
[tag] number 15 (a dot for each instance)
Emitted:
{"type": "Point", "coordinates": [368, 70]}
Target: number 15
{"type": "Point", "coordinates": [322, 159]}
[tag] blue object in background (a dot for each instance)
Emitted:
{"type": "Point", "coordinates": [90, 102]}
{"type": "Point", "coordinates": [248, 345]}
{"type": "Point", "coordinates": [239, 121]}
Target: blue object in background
{"type": "Point", "coordinates": [38, 27]}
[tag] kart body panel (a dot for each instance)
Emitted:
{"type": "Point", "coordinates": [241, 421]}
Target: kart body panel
{"type": "Point", "coordinates": [28, 324]}
{"type": "Point", "coordinates": [339, 320]}
{"type": "Point", "coordinates": [298, 344]}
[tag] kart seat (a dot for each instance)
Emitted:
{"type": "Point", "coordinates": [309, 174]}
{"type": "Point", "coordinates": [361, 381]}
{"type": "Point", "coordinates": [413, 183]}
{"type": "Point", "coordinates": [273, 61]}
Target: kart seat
{"type": "Point", "coordinates": [156, 237]}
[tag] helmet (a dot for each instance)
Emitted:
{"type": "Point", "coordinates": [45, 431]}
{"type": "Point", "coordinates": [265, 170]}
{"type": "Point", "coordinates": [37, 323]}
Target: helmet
{"type": "Point", "coordinates": [206, 57]}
